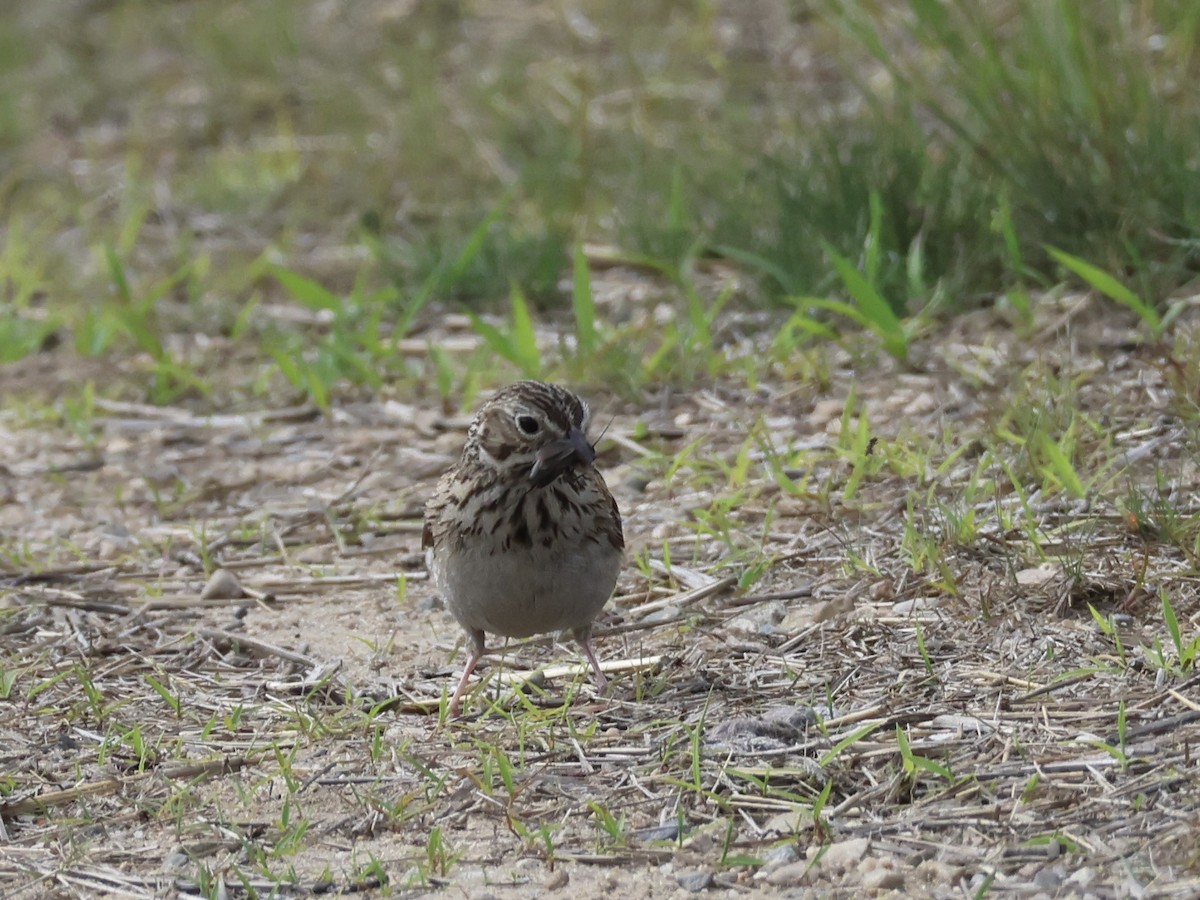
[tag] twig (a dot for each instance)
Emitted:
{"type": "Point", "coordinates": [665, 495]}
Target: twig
{"type": "Point", "coordinates": [263, 647]}
{"type": "Point", "coordinates": [684, 598]}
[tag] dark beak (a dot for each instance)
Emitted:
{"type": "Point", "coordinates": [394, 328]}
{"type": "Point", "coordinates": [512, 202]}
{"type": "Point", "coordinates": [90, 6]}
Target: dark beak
{"type": "Point", "coordinates": [555, 458]}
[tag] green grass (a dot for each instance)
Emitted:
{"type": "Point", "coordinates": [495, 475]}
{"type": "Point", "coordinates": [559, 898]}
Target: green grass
{"type": "Point", "coordinates": [1071, 126]}
{"type": "Point", "coordinates": [384, 160]}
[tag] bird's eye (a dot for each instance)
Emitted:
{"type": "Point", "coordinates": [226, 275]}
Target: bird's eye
{"type": "Point", "coordinates": [527, 424]}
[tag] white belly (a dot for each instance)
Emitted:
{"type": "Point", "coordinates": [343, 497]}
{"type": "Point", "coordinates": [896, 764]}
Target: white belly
{"type": "Point", "coordinates": [527, 591]}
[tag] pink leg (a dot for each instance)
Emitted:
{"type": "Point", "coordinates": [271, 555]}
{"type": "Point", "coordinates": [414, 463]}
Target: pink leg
{"type": "Point", "coordinates": [584, 637]}
{"type": "Point", "coordinates": [472, 661]}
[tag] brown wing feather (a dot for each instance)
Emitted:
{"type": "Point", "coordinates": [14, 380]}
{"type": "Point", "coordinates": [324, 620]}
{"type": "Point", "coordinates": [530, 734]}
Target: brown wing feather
{"type": "Point", "coordinates": [617, 535]}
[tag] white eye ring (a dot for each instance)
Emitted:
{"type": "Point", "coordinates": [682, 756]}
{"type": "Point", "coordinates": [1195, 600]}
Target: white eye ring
{"type": "Point", "coordinates": [528, 424]}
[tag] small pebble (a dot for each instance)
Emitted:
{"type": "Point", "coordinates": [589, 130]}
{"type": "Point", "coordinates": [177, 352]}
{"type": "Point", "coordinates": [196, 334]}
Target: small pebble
{"type": "Point", "coordinates": [222, 585]}
{"type": "Point", "coordinates": [791, 874]}
{"type": "Point", "coordinates": [845, 855]}
{"type": "Point", "coordinates": [177, 863]}
{"type": "Point", "coordinates": [780, 856]}
{"type": "Point", "coordinates": [882, 880]}
{"type": "Point", "coordinates": [695, 881]}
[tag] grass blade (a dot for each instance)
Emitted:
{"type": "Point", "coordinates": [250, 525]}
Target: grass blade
{"type": "Point", "coordinates": [877, 312]}
{"type": "Point", "coordinates": [1109, 286]}
{"type": "Point", "coordinates": [308, 292]}
{"type": "Point", "coordinates": [524, 338]}
{"type": "Point", "coordinates": [584, 304]}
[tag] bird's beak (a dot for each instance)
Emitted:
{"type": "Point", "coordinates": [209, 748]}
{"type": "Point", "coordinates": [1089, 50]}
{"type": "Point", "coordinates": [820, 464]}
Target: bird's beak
{"type": "Point", "coordinates": [558, 456]}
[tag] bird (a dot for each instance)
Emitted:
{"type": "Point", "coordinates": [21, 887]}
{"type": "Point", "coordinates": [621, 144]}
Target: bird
{"type": "Point", "coordinates": [522, 535]}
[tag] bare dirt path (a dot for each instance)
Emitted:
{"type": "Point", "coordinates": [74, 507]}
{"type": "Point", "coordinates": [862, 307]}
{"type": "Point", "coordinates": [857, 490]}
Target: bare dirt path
{"type": "Point", "coordinates": [909, 676]}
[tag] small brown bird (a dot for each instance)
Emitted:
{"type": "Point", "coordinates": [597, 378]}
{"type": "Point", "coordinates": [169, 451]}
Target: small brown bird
{"type": "Point", "coordinates": [523, 536]}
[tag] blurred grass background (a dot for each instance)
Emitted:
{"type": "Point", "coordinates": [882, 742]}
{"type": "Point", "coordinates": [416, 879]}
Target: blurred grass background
{"type": "Point", "coordinates": [159, 161]}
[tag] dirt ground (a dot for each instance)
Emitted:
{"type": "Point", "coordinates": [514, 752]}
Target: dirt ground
{"type": "Point", "coordinates": [889, 708]}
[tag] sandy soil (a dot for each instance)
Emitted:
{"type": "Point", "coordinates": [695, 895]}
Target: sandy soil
{"type": "Point", "coordinates": [157, 740]}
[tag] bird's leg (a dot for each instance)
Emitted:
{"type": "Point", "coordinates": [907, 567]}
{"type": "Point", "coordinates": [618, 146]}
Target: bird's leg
{"type": "Point", "coordinates": [476, 638]}
{"type": "Point", "coordinates": [584, 637]}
